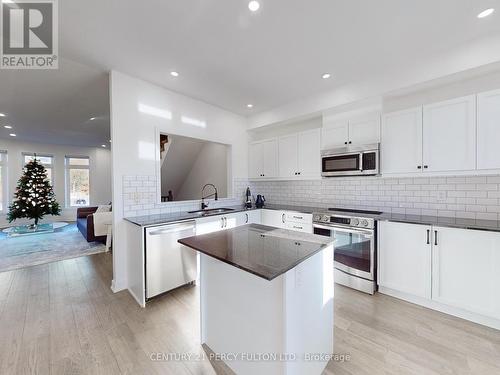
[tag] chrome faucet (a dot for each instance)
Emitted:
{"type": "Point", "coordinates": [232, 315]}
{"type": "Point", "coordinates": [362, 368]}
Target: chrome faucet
{"type": "Point", "coordinates": [203, 197]}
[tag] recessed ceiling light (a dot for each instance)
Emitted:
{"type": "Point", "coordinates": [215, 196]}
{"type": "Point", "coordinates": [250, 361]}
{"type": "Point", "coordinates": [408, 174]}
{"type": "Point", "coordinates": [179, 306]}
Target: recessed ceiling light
{"type": "Point", "coordinates": [92, 118]}
{"type": "Point", "coordinates": [253, 5]}
{"type": "Point", "coordinates": [486, 13]}
{"type": "Point", "coordinates": [103, 146]}
{"type": "Point", "coordinates": [7, 127]}
{"type": "Point", "coordinates": [326, 76]}
{"type": "Point", "coordinates": [13, 135]}
{"type": "Point", "coordinates": [2, 114]}
{"type": "Point", "coordinates": [174, 74]}
{"type": "Point", "coordinates": [110, 141]}
{"type": "Point", "coordinates": [249, 105]}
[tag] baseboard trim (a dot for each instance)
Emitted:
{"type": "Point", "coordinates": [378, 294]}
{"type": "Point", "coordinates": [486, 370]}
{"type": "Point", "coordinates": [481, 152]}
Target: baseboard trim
{"type": "Point", "coordinates": [117, 286]}
{"type": "Point", "coordinates": [446, 309]}
{"type": "Point", "coordinates": [137, 299]}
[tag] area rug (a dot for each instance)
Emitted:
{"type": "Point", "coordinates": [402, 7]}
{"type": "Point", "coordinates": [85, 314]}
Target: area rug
{"type": "Point", "coordinates": [64, 243]}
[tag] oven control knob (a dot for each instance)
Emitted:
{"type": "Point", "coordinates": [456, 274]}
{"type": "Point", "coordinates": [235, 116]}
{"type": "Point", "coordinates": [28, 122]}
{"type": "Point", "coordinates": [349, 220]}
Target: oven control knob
{"type": "Point", "coordinates": [317, 218]}
{"type": "Point", "coordinates": [364, 223]}
{"type": "Point", "coordinates": [355, 222]}
{"type": "Point", "coordinates": [325, 218]}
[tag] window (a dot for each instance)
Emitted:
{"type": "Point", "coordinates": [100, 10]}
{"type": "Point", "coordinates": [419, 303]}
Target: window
{"type": "Point", "coordinates": [77, 181]}
{"type": "Point", "coordinates": [3, 180]}
{"type": "Point", "coordinates": [46, 160]}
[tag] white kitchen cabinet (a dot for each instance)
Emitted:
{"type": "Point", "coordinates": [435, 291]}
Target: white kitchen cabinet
{"type": "Point", "coordinates": [309, 157]}
{"type": "Point", "coordinates": [359, 130]}
{"type": "Point", "coordinates": [401, 144]}
{"type": "Point", "coordinates": [449, 135]}
{"type": "Point", "coordinates": [263, 159]}
{"type": "Point", "coordinates": [299, 227]}
{"type": "Point", "coordinates": [273, 218]}
{"type": "Point", "coordinates": [253, 217]}
{"type": "Point", "coordinates": [334, 134]}
{"type": "Point", "coordinates": [299, 155]}
{"type": "Point", "coordinates": [404, 258]}
{"type": "Point", "coordinates": [364, 130]}
{"type": "Point", "coordinates": [288, 155]}
{"type": "Point", "coordinates": [270, 153]}
{"type": "Point", "coordinates": [488, 128]}
{"type": "Point", "coordinates": [209, 224]}
{"type": "Point", "coordinates": [465, 269]}
{"type": "Point", "coordinates": [255, 160]}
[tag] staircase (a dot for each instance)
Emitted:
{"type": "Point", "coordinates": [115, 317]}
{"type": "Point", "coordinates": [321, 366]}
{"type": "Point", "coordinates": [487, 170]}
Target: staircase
{"type": "Point", "coordinates": [165, 143]}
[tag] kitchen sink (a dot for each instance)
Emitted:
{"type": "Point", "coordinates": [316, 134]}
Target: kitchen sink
{"type": "Point", "coordinates": [211, 211]}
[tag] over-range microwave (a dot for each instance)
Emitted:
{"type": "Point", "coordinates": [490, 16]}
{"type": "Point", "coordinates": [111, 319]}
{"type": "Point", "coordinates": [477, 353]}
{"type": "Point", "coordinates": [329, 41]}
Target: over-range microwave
{"type": "Point", "coordinates": [350, 161]}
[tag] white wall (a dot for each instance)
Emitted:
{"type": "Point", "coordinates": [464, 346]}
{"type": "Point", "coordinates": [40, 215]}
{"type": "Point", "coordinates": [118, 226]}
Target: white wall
{"type": "Point", "coordinates": [210, 167]}
{"type": "Point", "coordinates": [138, 110]}
{"type": "Point", "coordinates": [100, 172]}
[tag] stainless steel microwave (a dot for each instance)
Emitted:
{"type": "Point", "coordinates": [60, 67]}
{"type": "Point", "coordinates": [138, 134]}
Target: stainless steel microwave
{"type": "Point", "coordinates": [350, 161]}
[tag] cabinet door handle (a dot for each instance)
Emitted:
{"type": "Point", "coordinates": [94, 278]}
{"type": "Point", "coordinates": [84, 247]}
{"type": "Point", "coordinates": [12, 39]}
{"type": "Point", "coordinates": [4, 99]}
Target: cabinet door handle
{"type": "Point", "coordinates": [428, 236]}
{"type": "Point", "coordinates": [246, 220]}
{"type": "Point", "coordinates": [426, 166]}
{"type": "Point", "coordinates": [435, 237]}
{"type": "Point", "coordinates": [298, 217]}
{"type": "Point", "coordinates": [295, 227]}
{"type": "Point", "coordinates": [283, 218]}
{"type": "Point", "coordinates": [350, 142]}
{"type": "Point", "coordinates": [222, 222]}
{"type": "Point", "coordinates": [345, 143]}
{"type": "Point", "coordinates": [419, 167]}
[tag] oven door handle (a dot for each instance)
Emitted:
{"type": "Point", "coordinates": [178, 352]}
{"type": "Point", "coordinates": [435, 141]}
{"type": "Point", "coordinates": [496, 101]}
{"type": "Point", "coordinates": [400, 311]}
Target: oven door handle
{"type": "Point", "coordinates": [366, 232]}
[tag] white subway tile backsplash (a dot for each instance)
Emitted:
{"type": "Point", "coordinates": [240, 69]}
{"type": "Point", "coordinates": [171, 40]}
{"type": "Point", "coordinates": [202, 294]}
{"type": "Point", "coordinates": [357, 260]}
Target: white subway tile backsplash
{"type": "Point", "coordinates": [454, 196]}
{"type": "Point", "coordinates": [463, 197]}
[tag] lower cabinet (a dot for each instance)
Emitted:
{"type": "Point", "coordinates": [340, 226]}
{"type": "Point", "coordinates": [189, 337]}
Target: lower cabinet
{"type": "Point", "coordinates": [453, 270]}
{"type": "Point", "coordinates": [404, 258]}
{"type": "Point", "coordinates": [209, 224]}
{"type": "Point", "coordinates": [273, 218]}
{"type": "Point", "coordinates": [288, 220]}
{"type": "Point", "coordinates": [466, 270]}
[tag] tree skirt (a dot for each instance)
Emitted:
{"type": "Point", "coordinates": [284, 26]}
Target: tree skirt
{"type": "Point", "coordinates": [66, 242]}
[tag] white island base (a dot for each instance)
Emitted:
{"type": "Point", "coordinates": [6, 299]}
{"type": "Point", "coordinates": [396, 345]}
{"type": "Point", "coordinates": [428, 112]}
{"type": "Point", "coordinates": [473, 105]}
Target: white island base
{"type": "Point", "coordinates": [282, 326]}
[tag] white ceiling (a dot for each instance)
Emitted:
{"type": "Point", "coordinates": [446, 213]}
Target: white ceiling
{"type": "Point", "coordinates": [55, 106]}
{"type": "Point", "coordinates": [227, 55]}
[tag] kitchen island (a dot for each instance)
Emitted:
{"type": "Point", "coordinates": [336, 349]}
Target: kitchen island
{"type": "Point", "coordinates": [266, 299]}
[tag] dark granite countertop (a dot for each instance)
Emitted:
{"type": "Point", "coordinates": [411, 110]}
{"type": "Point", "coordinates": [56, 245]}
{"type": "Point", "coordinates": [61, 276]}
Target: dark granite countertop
{"type": "Point", "coordinates": [264, 251]}
{"type": "Point", "coordinates": [151, 220]}
{"type": "Point", "coordinates": [490, 225]}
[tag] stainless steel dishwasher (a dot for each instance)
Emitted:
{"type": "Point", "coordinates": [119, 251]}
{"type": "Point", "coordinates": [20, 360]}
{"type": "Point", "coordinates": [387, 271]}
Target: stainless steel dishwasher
{"type": "Point", "coordinates": [168, 263]}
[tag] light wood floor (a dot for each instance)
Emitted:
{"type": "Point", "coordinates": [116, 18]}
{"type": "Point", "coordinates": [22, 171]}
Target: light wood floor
{"type": "Point", "coordinates": [62, 318]}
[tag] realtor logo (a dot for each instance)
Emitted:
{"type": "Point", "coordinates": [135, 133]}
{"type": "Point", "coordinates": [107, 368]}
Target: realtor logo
{"type": "Point", "coordinates": [29, 34]}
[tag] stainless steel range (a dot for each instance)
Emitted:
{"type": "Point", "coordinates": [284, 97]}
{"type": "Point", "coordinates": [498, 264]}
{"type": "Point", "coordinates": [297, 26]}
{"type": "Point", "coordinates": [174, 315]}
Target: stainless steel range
{"type": "Point", "coordinates": [355, 256]}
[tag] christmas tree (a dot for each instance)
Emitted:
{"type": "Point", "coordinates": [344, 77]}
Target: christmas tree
{"type": "Point", "coordinates": [34, 197]}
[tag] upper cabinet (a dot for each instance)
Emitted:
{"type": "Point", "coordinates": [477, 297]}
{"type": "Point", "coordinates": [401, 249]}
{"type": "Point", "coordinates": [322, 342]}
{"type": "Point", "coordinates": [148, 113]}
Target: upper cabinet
{"type": "Point", "coordinates": [401, 149]}
{"type": "Point", "coordinates": [360, 130]}
{"type": "Point", "coordinates": [299, 155]}
{"type": "Point", "coordinates": [334, 134]}
{"type": "Point", "coordinates": [449, 135]}
{"type": "Point", "coordinates": [439, 137]}
{"type": "Point", "coordinates": [263, 159]}
{"type": "Point", "coordinates": [364, 130]}
{"type": "Point", "coordinates": [488, 128]}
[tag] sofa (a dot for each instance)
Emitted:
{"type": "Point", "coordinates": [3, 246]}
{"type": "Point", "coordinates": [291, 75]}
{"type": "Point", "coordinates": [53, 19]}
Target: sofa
{"type": "Point", "coordinates": [85, 221]}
